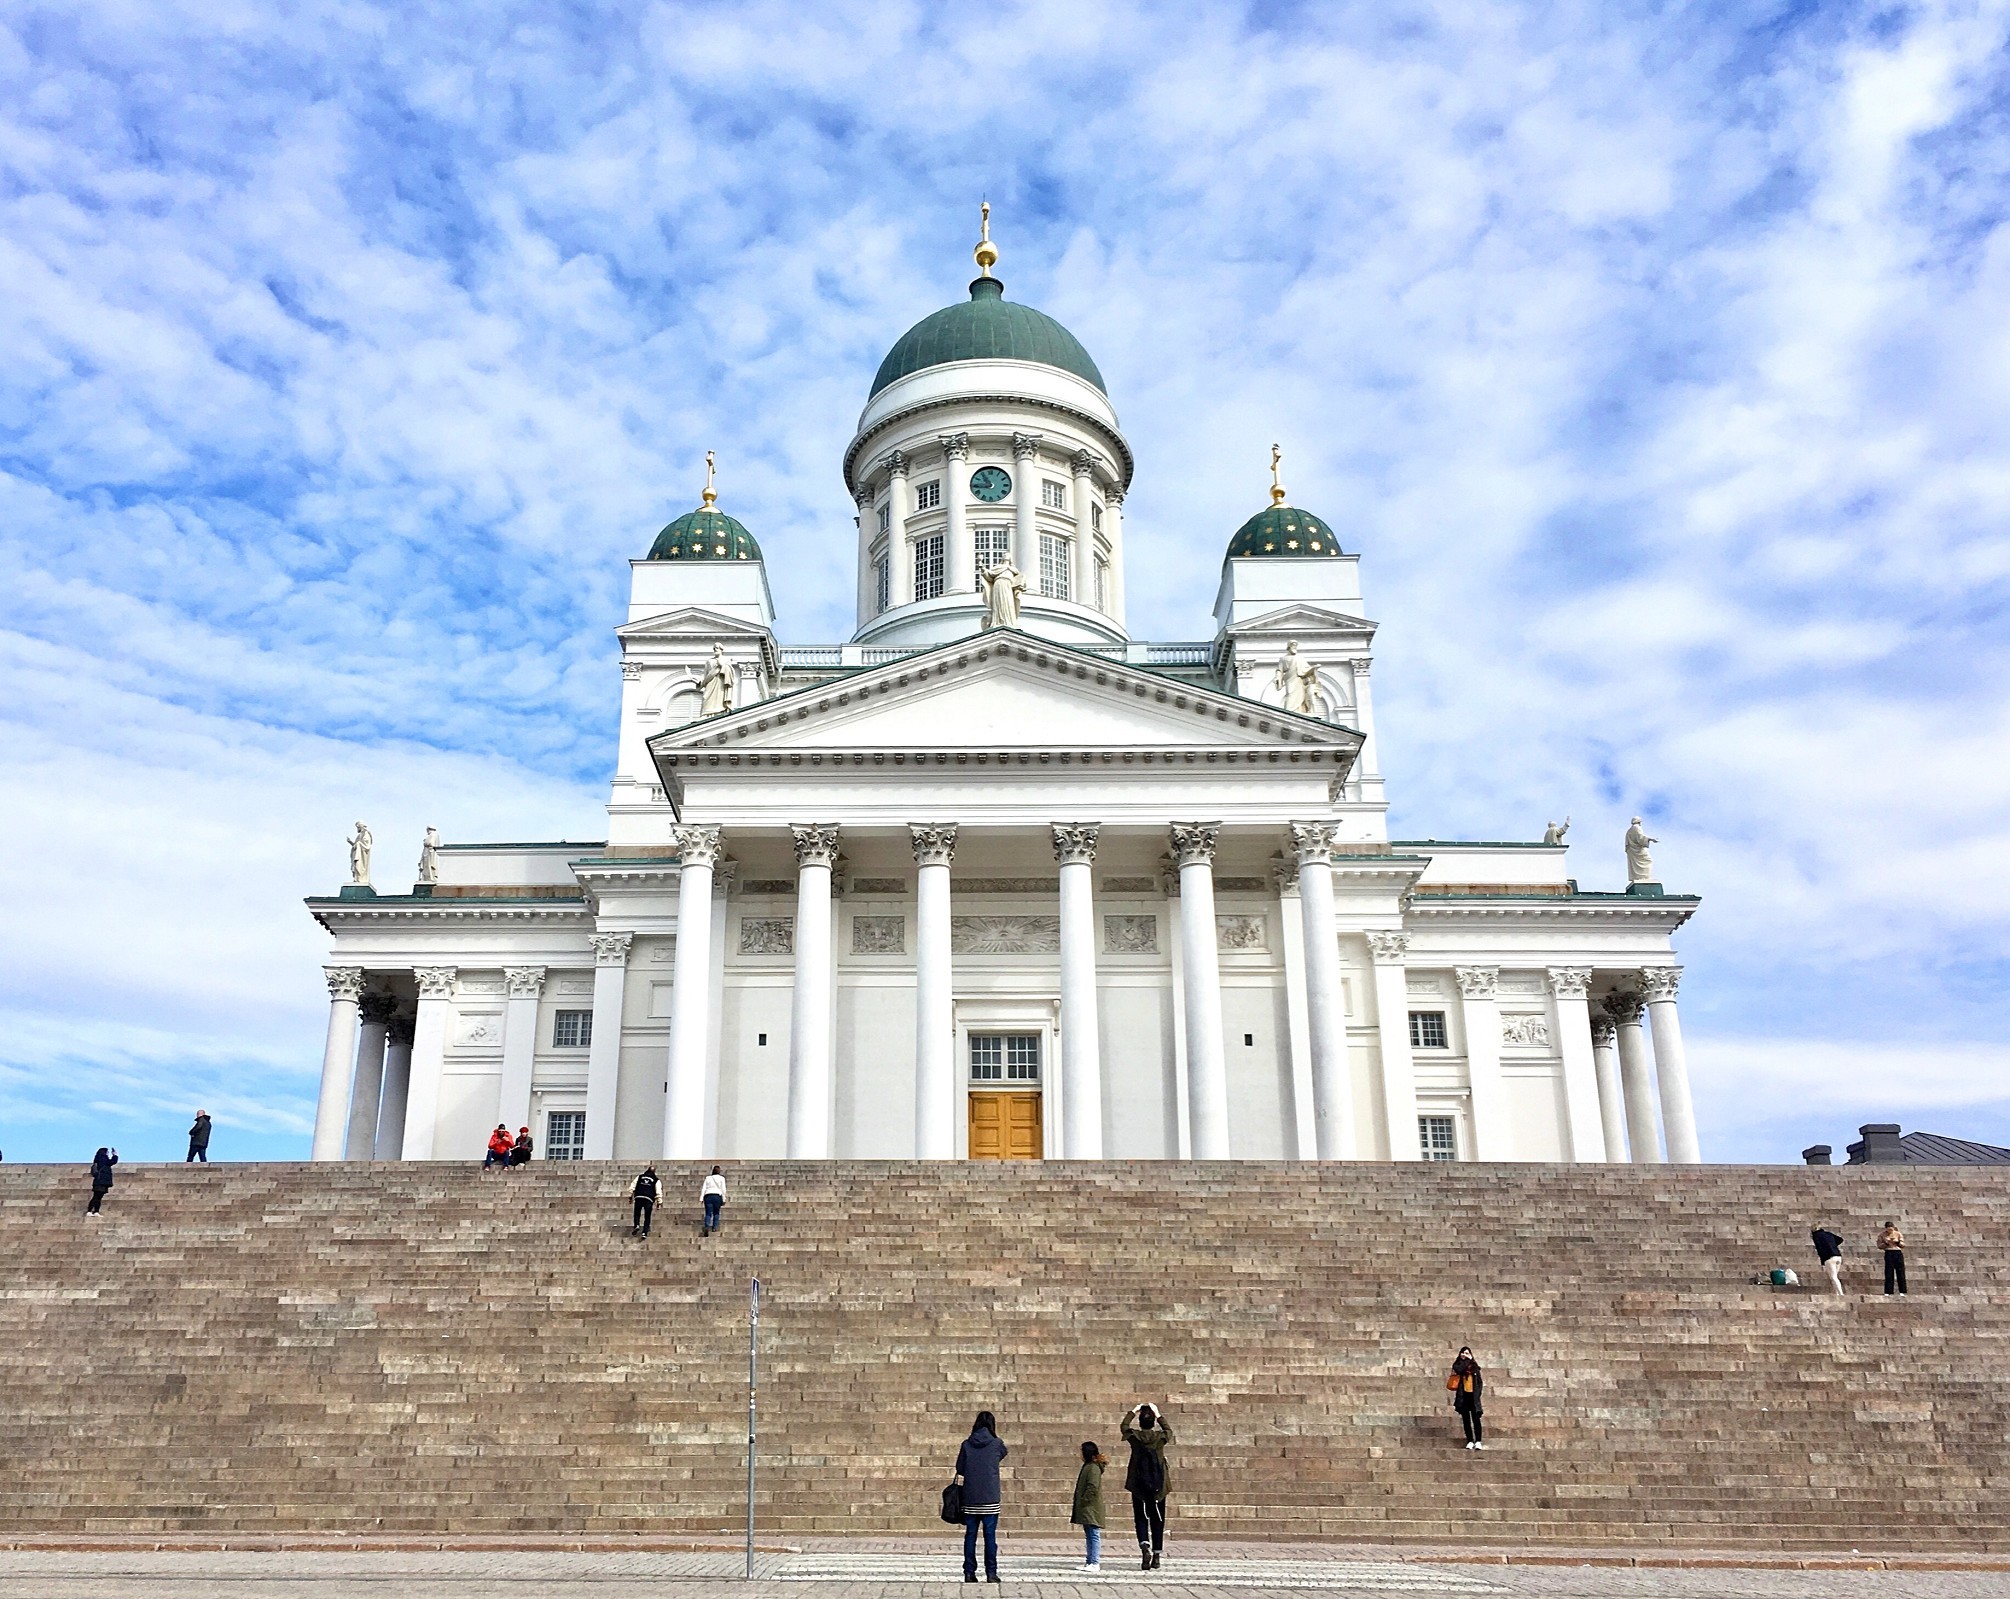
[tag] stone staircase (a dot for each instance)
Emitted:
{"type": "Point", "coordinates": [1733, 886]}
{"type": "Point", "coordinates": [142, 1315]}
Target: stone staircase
{"type": "Point", "coordinates": [431, 1349]}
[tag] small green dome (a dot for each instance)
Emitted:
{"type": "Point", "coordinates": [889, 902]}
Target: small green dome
{"type": "Point", "coordinates": [986, 327]}
{"type": "Point", "coordinates": [1283, 530]}
{"type": "Point", "coordinates": [704, 535]}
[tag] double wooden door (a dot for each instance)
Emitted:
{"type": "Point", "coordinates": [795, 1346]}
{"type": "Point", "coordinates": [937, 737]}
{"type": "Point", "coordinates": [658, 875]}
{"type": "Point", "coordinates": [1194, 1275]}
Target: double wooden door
{"type": "Point", "coordinates": [1005, 1126]}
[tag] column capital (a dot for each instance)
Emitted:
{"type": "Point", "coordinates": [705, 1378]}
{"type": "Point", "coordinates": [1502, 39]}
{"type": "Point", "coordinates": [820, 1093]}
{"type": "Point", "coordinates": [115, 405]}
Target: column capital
{"type": "Point", "coordinates": [344, 982]}
{"type": "Point", "coordinates": [1604, 1035]}
{"type": "Point", "coordinates": [525, 982]}
{"type": "Point", "coordinates": [1360, 667]}
{"type": "Point", "coordinates": [896, 463]}
{"type": "Point", "coordinates": [864, 497]}
{"type": "Point", "coordinates": [1313, 842]}
{"type": "Point", "coordinates": [1570, 982]}
{"type": "Point", "coordinates": [1024, 445]}
{"type": "Point", "coordinates": [956, 446]}
{"type": "Point", "coordinates": [399, 1031]}
{"type": "Point", "coordinates": [1083, 462]}
{"type": "Point", "coordinates": [1389, 949]}
{"type": "Point", "coordinates": [436, 982]}
{"type": "Point", "coordinates": [631, 671]}
{"type": "Point", "coordinates": [1284, 874]}
{"type": "Point", "coordinates": [1624, 1008]}
{"type": "Point", "coordinates": [1113, 494]}
{"type": "Point", "coordinates": [725, 877]}
{"type": "Point", "coordinates": [816, 843]}
{"type": "Point", "coordinates": [934, 845]}
{"type": "Point", "coordinates": [1478, 982]}
{"type": "Point", "coordinates": [1658, 983]}
{"type": "Point", "coordinates": [1075, 843]}
{"type": "Point", "coordinates": [611, 949]}
{"type": "Point", "coordinates": [378, 1009]}
{"type": "Point", "coordinates": [1194, 843]}
{"type": "Point", "coordinates": [698, 846]}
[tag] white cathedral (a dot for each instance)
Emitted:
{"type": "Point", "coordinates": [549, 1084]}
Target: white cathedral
{"type": "Point", "coordinates": [993, 879]}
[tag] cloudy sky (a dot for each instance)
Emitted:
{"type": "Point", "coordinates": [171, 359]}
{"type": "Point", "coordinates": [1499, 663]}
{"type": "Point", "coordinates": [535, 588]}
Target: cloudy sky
{"type": "Point", "coordinates": [1656, 360]}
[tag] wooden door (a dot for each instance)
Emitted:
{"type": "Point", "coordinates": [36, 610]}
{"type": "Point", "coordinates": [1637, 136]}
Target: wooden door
{"type": "Point", "coordinates": [1005, 1127]}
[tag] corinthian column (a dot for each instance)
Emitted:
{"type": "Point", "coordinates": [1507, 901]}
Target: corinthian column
{"type": "Point", "coordinates": [376, 1011]}
{"type": "Point", "coordinates": [1325, 1002]}
{"type": "Point", "coordinates": [338, 1060]}
{"type": "Point", "coordinates": [526, 986]}
{"type": "Point", "coordinates": [1611, 1103]}
{"type": "Point", "coordinates": [1193, 846]}
{"type": "Point", "coordinates": [1025, 506]}
{"type": "Point", "coordinates": [429, 1060]}
{"type": "Point", "coordinates": [1571, 986]}
{"type": "Point", "coordinates": [698, 849]}
{"type": "Point", "coordinates": [1081, 1047]}
{"type": "Point", "coordinates": [1479, 988]}
{"type": "Point", "coordinates": [810, 1010]}
{"type": "Point", "coordinates": [1391, 952]}
{"type": "Point", "coordinates": [603, 1042]}
{"type": "Point", "coordinates": [397, 1089]}
{"type": "Point", "coordinates": [1083, 463]}
{"type": "Point", "coordinates": [1635, 1074]}
{"type": "Point", "coordinates": [960, 554]}
{"type": "Point", "coordinates": [934, 991]}
{"type": "Point", "coordinates": [1671, 1066]}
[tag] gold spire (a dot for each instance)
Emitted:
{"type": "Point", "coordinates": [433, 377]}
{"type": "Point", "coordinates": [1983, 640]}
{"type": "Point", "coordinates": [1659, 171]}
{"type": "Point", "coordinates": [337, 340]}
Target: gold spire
{"type": "Point", "coordinates": [1276, 484]}
{"type": "Point", "coordinates": [711, 499]}
{"type": "Point", "coordinates": [986, 252]}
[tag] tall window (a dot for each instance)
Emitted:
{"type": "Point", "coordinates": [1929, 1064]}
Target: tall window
{"type": "Point", "coordinates": [928, 567]}
{"type": "Point", "coordinates": [882, 582]}
{"type": "Point", "coordinates": [886, 516]}
{"type": "Point", "coordinates": [571, 1029]}
{"type": "Point", "coordinates": [1427, 1029]}
{"type": "Point", "coordinates": [565, 1135]}
{"type": "Point", "coordinates": [1095, 516]}
{"type": "Point", "coordinates": [1053, 495]}
{"type": "Point", "coordinates": [993, 545]}
{"type": "Point", "coordinates": [1004, 1058]}
{"type": "Point", "coordinates": [927, 496]}
{"type": "Point", "coordinates": [1438, 1136]}
{"type": "Point", "coordinates": [1054, 556]}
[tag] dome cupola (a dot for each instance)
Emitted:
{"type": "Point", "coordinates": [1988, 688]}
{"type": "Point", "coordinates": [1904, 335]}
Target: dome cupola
{"type": "Point", "coordinates": [1282, 530]}
{"type": "Point", "coordinates": [706, 534]}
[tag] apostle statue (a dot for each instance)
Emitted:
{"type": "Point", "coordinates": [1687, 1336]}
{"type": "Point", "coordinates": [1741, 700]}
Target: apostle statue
{"type": "Point", "coordinates": [1553, 834]}
{"type": "Point", "coordinates": [1639, 866]}
{"type": "Point", "coordinates": [429, 857]}
{"type": "Point", "coordinates": [717, 684]}
{"type": "Point", "coordinates": [1002, 587]}
{"type": "Point", "coordinates": [1297, 680]}
{"type": "Point", "coordinates": [359, 856]}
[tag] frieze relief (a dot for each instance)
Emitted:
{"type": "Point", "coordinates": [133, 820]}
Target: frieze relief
{"type": "Point", "coordinates": [1130, 885]}
{"type": "Point", "coordinates": [879, 885]}
{"type": "Point", "coordinates": [1240, 933]}
{"type": "Point", "coordinates": [1525, 1030]}
{"type": "Point", "coordinates": [879, 935]}
{"type": "Point", "coordinates": [767, 885]}
{"type": "Point", "coordinates": [767, 935]}
{"type": "Point", "coordinates": [1131, 935]}
{"type": "Point", "coordinates": [479, 1030]}
{"type": "Point", "coordinates": [1004, 935]}
{"type": "Point", "coordinates": [1004, 885]}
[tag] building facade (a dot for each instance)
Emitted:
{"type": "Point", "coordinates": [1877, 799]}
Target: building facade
{"type": "Point", "coordinates": [993, 878]}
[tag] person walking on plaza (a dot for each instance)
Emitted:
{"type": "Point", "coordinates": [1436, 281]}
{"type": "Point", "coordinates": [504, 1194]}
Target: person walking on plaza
{"type": "Point", "coordinates": [198, 1139]}
{"type": "Point", "coordinates": [1088, 1511]}
{"type": "Point", "coordinates": [645, 1203]}
{"type": "Point", "coordinates": [500, 1144]}
{"type": "Point", "coordinates": [520, 1152]}
{"type": "Point", "coordinates": [977, 1464]}
{"type": "Point", "coordinates": [1892, 1242]}
{"type": "Point", "coordinates": [1146, 1479]}
{"type": "Point", "coordinates": [714, 1196]}
{"type": "Point", "coordinates": [1828, 1250]}
{"type": "Point", "coordinates": [101, 1179]}
{"type": "Point", "coordinates": [1469, 1385]}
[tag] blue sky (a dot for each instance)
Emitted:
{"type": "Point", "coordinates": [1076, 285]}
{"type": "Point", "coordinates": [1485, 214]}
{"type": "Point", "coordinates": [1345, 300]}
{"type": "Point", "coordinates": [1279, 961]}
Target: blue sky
{"type": "Point", "coordinates": [1655, 359]}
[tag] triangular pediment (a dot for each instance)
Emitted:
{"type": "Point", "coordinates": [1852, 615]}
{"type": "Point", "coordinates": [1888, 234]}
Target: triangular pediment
{"type": "Point", "coordinates": [1007, 691]}
{"type": "Point", "coordinates": [688, 622]}
{"type": "Point", "coordinates": [1303, 618]}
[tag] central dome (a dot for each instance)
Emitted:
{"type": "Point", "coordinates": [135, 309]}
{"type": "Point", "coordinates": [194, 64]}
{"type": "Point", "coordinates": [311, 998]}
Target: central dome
{"type": "Point", "coordinates": [986, 327]}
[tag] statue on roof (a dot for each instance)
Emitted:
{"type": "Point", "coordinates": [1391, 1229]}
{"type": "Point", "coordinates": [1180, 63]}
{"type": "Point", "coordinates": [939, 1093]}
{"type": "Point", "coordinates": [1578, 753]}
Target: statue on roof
{"type": "Point", "coordinates": [429, 857]}
{"type": "Point", "coordinates": [1553, 834]}
{"type": "Point", "coordinates": [1297, 680]}
{"type": "Point", "coordinates": [360, 843]}
{"type": "Point", "coordinates": [716, 687]}
{"type": "Point", "coordinates": [1002, 587]}
{"type": "Point", "coordinates": [1639, 864]}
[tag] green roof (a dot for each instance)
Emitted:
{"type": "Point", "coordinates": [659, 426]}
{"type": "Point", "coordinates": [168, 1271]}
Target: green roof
{"type": "Point", "coordinates": [1283, 530]}
{"type": "Point", "coordinates": [986, 327]}
{"type": "Point", "coordinates": [704, 535]}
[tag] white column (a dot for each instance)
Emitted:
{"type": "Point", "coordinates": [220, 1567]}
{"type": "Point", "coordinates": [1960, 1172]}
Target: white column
{"type": "Point", "coordinates": [959, 551]}
{"type": "Point", "coordinates": [1478, 986]}
{"type": "Point", "coordinates": [397, 1090]}
{"type": "Point", "coordinates": [1392, 1029]}
{"type": "Point", "coordinates": [1025, 506]}
{"type": "Point", "coordinates": [603, 1046]}
{"type": "Point", "coordinates": [1325, 1000]}
{"type": "Point", "coordinates": [1611, 1104]}
{"type": "Point", "coordinates": [376, 1011]}
{"type": "Point", "coordinates": [1193, 846]}
{"type": "Point", "coordinates": [1291, 920]}
{"type": "Point", "coordinates": [934, 991]}
{"type": "Point", "coordinates": [1175, 947]}
{"type": "Point", "coordinates": [1671, 1066]}
{"type": "Point", "coordinates": [715, 1006]}
{"type": "Point", "coordinates": [526, 984]}
{"type": "Point", "coordinates": [1113, 531]}
{"type": "Point", "coordinates": [1365, 777]}
{"type": "Point", "coordinates": [691, 991]}
{"type": "Point", "coordinates": [1083, 463]}
{"type": "Point", "coordinates": [1636, 1079]}
{"type": "Point", "coordinates": [338, 1061]}
{"type": "Point", "coordinates": [429, 1059]}
{"type": "Point", "coordinates": [868, 534]}
{"type": "Point", "coordinates": [899, 556]}
{"type": "Point", "coordinates": [1571, 986]}
{"type": "Point", "coordinates": [1081, 1043]}
{"type": "Point", "coordinates": [809, 1136]}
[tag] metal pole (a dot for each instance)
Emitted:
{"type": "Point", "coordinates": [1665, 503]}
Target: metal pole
{"type": "Point", "coordinates": [753, 1381]}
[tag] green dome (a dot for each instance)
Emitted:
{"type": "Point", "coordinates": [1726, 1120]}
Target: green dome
{"type": "Point", "coordinates": [986, 327]}
{"type": "Point", "coordinates": [704, 535]}
{"type": "Point", "coordinates": [1283, 530]}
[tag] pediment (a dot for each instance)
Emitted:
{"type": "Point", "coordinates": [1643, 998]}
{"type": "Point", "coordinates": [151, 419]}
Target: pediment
{"type": "Point", "coordinates": [1303, 618]}
{"type": "Point", "coordinates": [688, 622]}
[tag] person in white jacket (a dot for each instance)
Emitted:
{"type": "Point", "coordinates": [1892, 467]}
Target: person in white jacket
{"type": "Point", "coordinates": [714, 1195]}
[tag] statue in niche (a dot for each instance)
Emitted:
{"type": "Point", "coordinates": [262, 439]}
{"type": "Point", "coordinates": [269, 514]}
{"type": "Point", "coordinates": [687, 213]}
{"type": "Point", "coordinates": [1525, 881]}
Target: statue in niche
{"type": "Point", "coordinates": [1297, 680]}
{"type": "Point", "coordinates": [1553, 834]}
{"type": "Point", "coordinates": [1002, 587]}
{"type": "Point", "coordinates": [360, 843]}
{"type": "Point", "coordinates": [429, 857]}
{"type": "Point", "coordinates": [1639, 864]}
{"type": "Point", "coordinates": [716, 686]}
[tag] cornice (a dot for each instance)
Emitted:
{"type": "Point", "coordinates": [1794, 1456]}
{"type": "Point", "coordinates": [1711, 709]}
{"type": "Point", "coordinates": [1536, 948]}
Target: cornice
{"type": "Point", "coordinates": [1666, 912]}
{"type": "Point", "coordinates": [894, 418]}
{"type": "Point", "coordinates": [335, 915]}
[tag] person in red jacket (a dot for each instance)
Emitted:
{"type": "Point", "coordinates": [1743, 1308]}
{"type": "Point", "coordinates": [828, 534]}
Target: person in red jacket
{"type": "Point", "coordinates": [500, 1144]}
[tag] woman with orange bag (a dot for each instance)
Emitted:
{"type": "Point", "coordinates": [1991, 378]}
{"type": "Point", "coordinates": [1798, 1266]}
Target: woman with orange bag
{"type": "Point", "coordinates": [1467, 1386]}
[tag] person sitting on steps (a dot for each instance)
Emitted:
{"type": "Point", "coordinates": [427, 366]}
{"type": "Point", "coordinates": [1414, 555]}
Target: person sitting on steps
{"type": "Point", "coordinates": [1146, 1479]}
{"type": "Point", "coordinates": [714, 1196]}
{"type": "Point", "coordinates": [520, 1152]}
{"type": "Point", "coordinates": [1468, 1385]}
{"type": "Point", "coordinates": [500, 1144]}
{"type": "Point", "coordinates": [645, 1203]}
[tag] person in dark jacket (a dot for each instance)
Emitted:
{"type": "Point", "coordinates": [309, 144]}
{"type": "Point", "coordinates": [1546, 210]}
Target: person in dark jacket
{"type": "Point", "coordinates": [645, 1203]}
{"type": "Point", "coordinates": [1469, 1385]}
{"type": "Point", "coordinates": [1088, 1508]}
{"type": "Point", "coordinates": [1146, 1480]}
{"type": "Point", "coordinates": [1892, 1242]}
{"type": "Point", "coordinates": [977, 1465]}
{"type": "Point", "coordinates": [198, 1139]}
{"type": "Point", "coordinates": [524, 1147]}
{"type": "Point", "coordinates": [101, 1179]}
{"type": "Point", "coordinates": [1828, 1250]}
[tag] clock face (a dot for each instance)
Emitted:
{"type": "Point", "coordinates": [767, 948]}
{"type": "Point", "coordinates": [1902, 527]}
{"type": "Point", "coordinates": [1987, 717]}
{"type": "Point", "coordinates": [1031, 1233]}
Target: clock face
{"type": "Point", "coordinates": [990, 484]}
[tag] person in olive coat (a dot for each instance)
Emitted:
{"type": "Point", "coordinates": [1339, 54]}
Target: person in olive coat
{"type": "Point", "coordinates": [1088, 1511]}
{"type": "Point", "coordinates": [977, 1465]}
{"type": "Point", "coordinates": [1146, 1480]}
